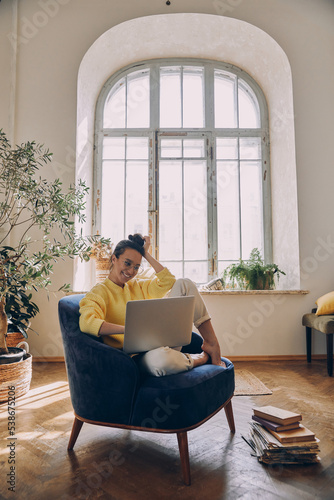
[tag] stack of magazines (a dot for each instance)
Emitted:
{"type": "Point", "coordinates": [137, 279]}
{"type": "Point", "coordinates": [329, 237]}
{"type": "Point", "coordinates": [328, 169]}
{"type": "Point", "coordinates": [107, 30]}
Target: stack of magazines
{"type": "Point", "coordinates": [284, 446]}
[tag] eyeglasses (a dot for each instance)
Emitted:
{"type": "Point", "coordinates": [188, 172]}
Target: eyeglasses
{"type": "Point", "coordinates": [128, 264]}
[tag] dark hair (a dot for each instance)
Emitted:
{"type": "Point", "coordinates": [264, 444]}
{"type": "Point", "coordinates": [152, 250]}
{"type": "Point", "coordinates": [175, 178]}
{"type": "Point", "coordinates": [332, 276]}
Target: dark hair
{"type": "Point", "coordinates": [135, 241]}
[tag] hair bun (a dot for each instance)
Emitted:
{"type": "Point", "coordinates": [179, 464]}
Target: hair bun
{"type": "Point", "coordinates": [137, 238]}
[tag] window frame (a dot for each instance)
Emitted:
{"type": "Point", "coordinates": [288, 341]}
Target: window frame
{"type": "Point", "coordinates": [209, 130]}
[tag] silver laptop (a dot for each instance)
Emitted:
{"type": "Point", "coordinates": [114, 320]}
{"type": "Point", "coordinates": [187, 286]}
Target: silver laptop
{"type": "Point", "coordinates": [153, 323]}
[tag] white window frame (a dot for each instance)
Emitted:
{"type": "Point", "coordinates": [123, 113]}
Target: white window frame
{"type": "Point", "coordinates": [210, 133]}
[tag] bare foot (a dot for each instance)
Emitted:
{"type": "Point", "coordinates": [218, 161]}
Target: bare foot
{"type": "Point", "coordinates": [213, 351]}
{"type": "Point", "coordinates": [199, 359]}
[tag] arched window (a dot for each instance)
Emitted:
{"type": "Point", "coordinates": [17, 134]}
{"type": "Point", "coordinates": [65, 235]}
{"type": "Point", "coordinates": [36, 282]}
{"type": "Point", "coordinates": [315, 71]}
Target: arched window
{"type": "Point", "coordinates": [182, 154]}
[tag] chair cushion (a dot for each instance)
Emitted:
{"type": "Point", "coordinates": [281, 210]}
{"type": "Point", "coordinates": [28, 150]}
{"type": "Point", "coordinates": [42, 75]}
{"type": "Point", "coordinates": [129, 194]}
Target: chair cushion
{"type": "Point", "coordinates": [324, 323]}
{"type": "Point", "coordinates": [183, 400]}
{"type": "Point", "coordinates": [325, 304]}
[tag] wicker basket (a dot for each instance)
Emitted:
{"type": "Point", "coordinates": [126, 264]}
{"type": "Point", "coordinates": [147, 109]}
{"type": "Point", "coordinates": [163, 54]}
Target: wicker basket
{"type": "Point", "coordinates": [102, 268]}
{"type": "Point", "coordinates": [16, 375]}
{"type": "Point", "coordinates": [13, 338]}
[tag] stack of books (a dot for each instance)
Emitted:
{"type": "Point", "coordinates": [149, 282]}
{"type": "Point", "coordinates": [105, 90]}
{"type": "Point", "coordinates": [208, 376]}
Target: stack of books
{"type": "Point", "coordinates": [277, 436]}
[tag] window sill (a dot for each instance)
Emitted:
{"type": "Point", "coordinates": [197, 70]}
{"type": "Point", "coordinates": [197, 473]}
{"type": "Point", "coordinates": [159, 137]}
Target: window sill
{"type": "Point", "coordinates": [254, 292]}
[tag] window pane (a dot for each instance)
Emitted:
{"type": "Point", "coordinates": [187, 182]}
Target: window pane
{"type": "Point", "coordinates": [227, 149]}
{"type": "Point", "coordinates": [136, 197]}
{"type": "Point", "coordinates": [251, 207]}
{"type": "Point", "coordinates": [137, 148]}
{"type": "Point", "coordinates": [249, 115]}
{"type": "Point", "coordinates": [175, 268]}
{"type": "Point", "coordinates": [170, 210]}
{"type": "Point", "coordinates": [170, 97]}
{"type": "Point", "coordinates": [112, 208]}
{"type": "Point", "coordinates": [114, 148]}
{"type": "Point", "coordinates": [225, 115]}
{"type": "Point", "coordinates": [195, 211]}
{"type": "Point", "coordinates": [138, 100]}
{"type": "Point", "coordinates": [228, 211]}
{"type": "Point", "coordinates": [193, 102]}
{"type": "Point", "coordinates": [250, 148]}
{"type": "Point", "coordinates": [171, 148]}
{"type": "Point", "coordinates": [196, 271]}
{"type": "Point", "coordinates": [193, 148]}
{"type": "Point", "coordinates": [114, 108]}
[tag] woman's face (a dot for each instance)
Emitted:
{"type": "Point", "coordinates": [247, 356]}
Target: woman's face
{"type": "Point", "coordinates": [125, 267]}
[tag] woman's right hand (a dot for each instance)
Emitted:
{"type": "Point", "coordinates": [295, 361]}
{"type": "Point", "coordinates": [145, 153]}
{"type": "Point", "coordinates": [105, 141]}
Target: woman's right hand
{"type": "Point", "coordinates": [150, 259]}
{"type": "Point", "coordinates": [147, 243]}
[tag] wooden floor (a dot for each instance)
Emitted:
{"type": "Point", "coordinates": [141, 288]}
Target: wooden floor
{"type": "Point", "coordinates": [121, 465]}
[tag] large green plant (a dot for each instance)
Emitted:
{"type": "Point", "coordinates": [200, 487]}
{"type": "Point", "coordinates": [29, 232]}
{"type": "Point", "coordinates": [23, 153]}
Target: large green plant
{"type": "Point", "coordinates": [38, 219]}
{"type": "Point", "coordinates": [252, 274]}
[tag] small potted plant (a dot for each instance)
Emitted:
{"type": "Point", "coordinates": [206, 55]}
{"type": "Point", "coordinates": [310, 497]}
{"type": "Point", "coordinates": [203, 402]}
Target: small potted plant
{"type": "Point", "coordinates": [252, 274]}
{"type": "Point", "coordinates": [100, 249]}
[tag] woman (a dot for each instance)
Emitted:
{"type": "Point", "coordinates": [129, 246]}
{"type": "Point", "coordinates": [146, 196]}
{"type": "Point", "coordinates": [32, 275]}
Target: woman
{"type": "Point", "coordinates": [102, 310]}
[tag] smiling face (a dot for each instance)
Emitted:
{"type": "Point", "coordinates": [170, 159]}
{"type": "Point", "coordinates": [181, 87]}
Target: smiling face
{"type": "Point", "coordinates": [125, 267]}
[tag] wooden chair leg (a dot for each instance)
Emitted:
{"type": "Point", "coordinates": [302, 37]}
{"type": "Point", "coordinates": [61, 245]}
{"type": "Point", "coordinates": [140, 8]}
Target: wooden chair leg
{"type": "Point", "coordinates": [309, 343]}
{"type": "Point", "coordinates": [229, 415]}
{"type": "Point", "coordinates": [330, 354]}
{"type": "Point", "coordinates": [184, 456]}
{"type": "Point", "coordinates": [76, 428]}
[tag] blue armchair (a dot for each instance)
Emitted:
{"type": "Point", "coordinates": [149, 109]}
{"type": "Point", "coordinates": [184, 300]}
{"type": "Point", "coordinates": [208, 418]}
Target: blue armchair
{"type": "Point", "coordinates": [107, 388]}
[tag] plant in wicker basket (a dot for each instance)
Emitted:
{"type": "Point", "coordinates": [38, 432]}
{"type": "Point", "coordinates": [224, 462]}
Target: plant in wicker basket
{"type": "Point", "coordinates": [252, 274]}
{"type": "Point", "coordinates": [100, 249]}
{"type": "Point", "coordinates": [31, 208]}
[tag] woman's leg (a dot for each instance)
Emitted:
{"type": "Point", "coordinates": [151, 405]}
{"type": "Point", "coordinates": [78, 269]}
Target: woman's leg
{"type": "Point", "coordinates": [202, 319]}
{"type": "Point", "coordinates": [166, 361]}
{"type": "Point", "coordinates": [185, 287]}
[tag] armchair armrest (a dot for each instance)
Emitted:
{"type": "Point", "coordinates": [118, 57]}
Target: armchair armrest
{"type": "Point", "coordinates": [103, 381]}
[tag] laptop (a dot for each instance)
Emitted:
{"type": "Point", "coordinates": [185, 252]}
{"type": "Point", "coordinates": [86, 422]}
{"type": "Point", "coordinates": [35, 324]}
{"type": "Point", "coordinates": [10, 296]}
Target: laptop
{"type": "Point", "coordinates": [153, 323]}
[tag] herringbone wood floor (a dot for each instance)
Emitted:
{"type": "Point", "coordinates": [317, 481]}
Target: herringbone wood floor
{"type": "Point", "coordinates": [121, 465]}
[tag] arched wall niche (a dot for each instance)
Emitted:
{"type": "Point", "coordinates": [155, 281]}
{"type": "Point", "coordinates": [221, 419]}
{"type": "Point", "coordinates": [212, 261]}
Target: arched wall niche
{"type": "Point", "coordinates": [209, 37]}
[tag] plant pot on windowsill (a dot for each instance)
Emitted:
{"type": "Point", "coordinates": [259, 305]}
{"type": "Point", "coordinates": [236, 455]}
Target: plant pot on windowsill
{"type": "Point", "coordinates": [100, 250]}
{"type": "Point", "coordinates": [252, 274]}
{"type": "Point", "coordinates": [102, 269]}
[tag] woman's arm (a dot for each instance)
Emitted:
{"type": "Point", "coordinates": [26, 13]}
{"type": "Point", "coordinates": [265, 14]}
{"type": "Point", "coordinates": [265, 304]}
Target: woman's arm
{"type": "Point", "coordinates": [151, 260]}
{"type": "Point", "coordinates": [110, 328]}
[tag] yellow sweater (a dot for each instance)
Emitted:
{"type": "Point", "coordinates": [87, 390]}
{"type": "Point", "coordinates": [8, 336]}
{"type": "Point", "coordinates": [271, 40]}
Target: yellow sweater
{"type": "Point", "coordinates": [107, 302]}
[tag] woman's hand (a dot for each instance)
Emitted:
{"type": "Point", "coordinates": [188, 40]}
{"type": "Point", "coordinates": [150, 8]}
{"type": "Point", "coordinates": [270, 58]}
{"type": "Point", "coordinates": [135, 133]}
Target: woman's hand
{"type": "Point", "coordinates": [150, 259]}
{"type": "Point", "coordinates": [147, 244]}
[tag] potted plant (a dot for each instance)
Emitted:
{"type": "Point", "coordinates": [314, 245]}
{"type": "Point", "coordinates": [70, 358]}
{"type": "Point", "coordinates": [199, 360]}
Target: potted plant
{"type": "Point", "coordinates": [100, 249]}
{"type": "Point", "coordinates": [252, 274]}
{"type": "Point", "coordinates": [31, 208]}
{"type": "Point", "coordinates": [18, 304]}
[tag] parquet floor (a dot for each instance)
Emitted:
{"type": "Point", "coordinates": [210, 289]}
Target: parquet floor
{"type": "Point", "coordinates": [120, 465]}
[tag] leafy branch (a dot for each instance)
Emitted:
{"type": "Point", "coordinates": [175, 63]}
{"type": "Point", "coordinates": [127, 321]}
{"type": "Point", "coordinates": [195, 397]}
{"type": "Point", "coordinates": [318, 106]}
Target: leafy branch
{"type": "Point", "coordinates": [31, 209]}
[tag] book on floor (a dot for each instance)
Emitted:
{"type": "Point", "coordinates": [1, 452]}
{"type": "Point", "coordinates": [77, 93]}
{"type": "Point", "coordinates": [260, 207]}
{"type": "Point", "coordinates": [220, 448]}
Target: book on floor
{"type": "Point", "coordinates": [273, 426]}
{"type": "Point", "coordinates": [271, 451]}
{"type": "Point", "coordinates": [277, 415]}
{"type": "Point", "coordinates": [293, 436]}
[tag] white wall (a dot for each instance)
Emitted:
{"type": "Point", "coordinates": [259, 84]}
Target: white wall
{"type": "Point", "coordinates": [54, 35]}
